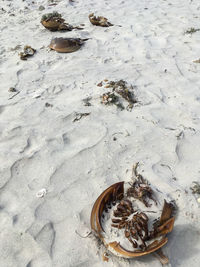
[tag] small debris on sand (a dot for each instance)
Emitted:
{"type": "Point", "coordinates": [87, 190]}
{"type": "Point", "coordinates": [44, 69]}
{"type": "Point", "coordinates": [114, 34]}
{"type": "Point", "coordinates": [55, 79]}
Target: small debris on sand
{"type": "Point", "coordinates": [12, 89]}
{"type": "Point", "coordinates": [100, 84]}
{"type": "Point", "coordinates": [79, 116]}
{"type": "Point", "coordinates": [41, 193]}
{"type": "Point", "coordinates": [48, 105]}
{"type": "Point", "coordinates": [111, 98]}
{"type": "Point", "coordinates": [120, 91]}
{"type": "Point", "coordinates": [195, 188]}
{"type": "Point", "coordinates": [86, 101]}
{"type": "Point", "coordinates": [28, 52]}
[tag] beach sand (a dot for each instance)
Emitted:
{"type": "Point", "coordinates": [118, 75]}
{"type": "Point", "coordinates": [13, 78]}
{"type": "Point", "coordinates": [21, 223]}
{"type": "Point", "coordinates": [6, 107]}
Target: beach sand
{"type": "Point", "coordinates": [43, 146]}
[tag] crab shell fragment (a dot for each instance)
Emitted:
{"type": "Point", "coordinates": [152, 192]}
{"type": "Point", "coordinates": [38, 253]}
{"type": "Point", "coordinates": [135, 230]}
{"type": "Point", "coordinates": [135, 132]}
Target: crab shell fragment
{"type": "Point", "coordinates": [99, 21]}
{"type": "Point", "coordinates": [66, 45]}
{"type": "Point", "coordinates": [116, 191]}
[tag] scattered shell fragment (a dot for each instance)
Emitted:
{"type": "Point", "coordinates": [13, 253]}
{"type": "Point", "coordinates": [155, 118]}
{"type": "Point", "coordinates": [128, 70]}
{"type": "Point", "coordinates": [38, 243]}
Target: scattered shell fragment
{"type": "Point", "coordinates": [41, 193]}
{"type": "Point", "coordinates": [28, 52]}
{"type": "Point", "coordinates": [99, 21]}
{"type": "Point", "coordinates": [66, 45]}
{"type": "Point", "coordinates": [54, 22]}
{"type": "Point", "coordinates": [110, 98]}
{"type": "Point", "coordinates": [195, 188]}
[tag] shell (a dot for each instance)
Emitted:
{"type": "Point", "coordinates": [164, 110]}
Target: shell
{"type": "Point", "coordinates": [55, 22]}
{"type": "Point", "coordinates": [112, 193]}
{"type": "Point", "coordinates": [28, 52]}
{"type": "Point", "coordinates": [99, 21]}
{"type": "Point", "coordinates": [66, 45]}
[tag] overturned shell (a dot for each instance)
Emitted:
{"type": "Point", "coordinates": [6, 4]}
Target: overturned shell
{"type": "Point", "coordinates": [99, 21]}
{"type": "Point", "coordinates": [66, 45]}
{"type": "Point", "coordinates": [116, 192]}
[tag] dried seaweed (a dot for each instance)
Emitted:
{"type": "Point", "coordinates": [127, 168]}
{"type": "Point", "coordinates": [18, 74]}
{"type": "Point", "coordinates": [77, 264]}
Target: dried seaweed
{"type": "Point", "coordinates": [191, 31]}
{"type": "Point", "coordinates": [120, 90]}
{"type": "Point", "coordinates": [47, 105]}
{"type": "Point", "coordinates": [197, 61]}
{"type": "Point", "coordinates": [79, 116]}
{"type": "Point", "coordinates": [86, 101]}
{"type": "Point", "coordinates": [54, 14]}
{"type": "Point", "coordinates": [12, 89]}
{"type": "Point", "coordinates": [135, 223]}
{"type": "Point", "coordinates": [140, 189]}
{"type": "Point", "coordinates": [111, 98]}
{"type": "Point", "coordinates": [136, 227]}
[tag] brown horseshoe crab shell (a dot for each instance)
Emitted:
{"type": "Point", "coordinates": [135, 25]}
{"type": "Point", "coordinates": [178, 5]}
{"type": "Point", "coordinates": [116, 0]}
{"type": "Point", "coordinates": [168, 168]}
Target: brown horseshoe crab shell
{"type": "Point", "coordinates": [66, 45]}
{"type": "Point", "coordinates": [115, 191]}
{"type": "Point", "coordinates": [99, 21]}
{"type": "Point", "coordinates": [55, 22]}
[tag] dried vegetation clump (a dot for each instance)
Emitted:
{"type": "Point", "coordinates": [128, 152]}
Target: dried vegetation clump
{"type": "Point", "coordinates": [140, 189]}
{"type": "Point", "coordinates": [191, 31]}
{"type": "Point", "coordinates": [120, 92]}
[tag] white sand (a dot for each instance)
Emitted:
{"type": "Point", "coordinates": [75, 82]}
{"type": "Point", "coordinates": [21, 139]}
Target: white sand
{"type": "Point", "coordinates": [42, 148]}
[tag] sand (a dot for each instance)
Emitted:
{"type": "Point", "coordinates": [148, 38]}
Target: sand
{"type": "Point", "coordinates": [53, 168]}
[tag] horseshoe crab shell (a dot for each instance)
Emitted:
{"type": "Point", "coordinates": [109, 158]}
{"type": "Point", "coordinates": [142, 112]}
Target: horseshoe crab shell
{"type": "Point", "coordinates": [116, 192]}
{"type": "Point", "coordinates": [66, 45]}
{"type": "Point", "coordinates": [99, 21]}
{"type": "Point", "coordinates": [55, 22]}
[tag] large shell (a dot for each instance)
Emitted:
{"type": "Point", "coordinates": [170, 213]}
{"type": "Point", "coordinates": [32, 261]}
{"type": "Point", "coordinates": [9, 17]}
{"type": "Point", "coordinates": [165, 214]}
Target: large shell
{"type": "Point", "coordinates": [116, 191]}
{"type": "Point", "coordinates": [55, 22]}
{"type": "Point", "coordinates": [66, 45]}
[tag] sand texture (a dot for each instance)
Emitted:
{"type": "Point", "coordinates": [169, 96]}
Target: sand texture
{"type": "Point", "coordinates": [55, 161]}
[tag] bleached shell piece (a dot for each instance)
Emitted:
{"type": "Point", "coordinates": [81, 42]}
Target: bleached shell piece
{"type": "Point", "coordinates": [41, 193]}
